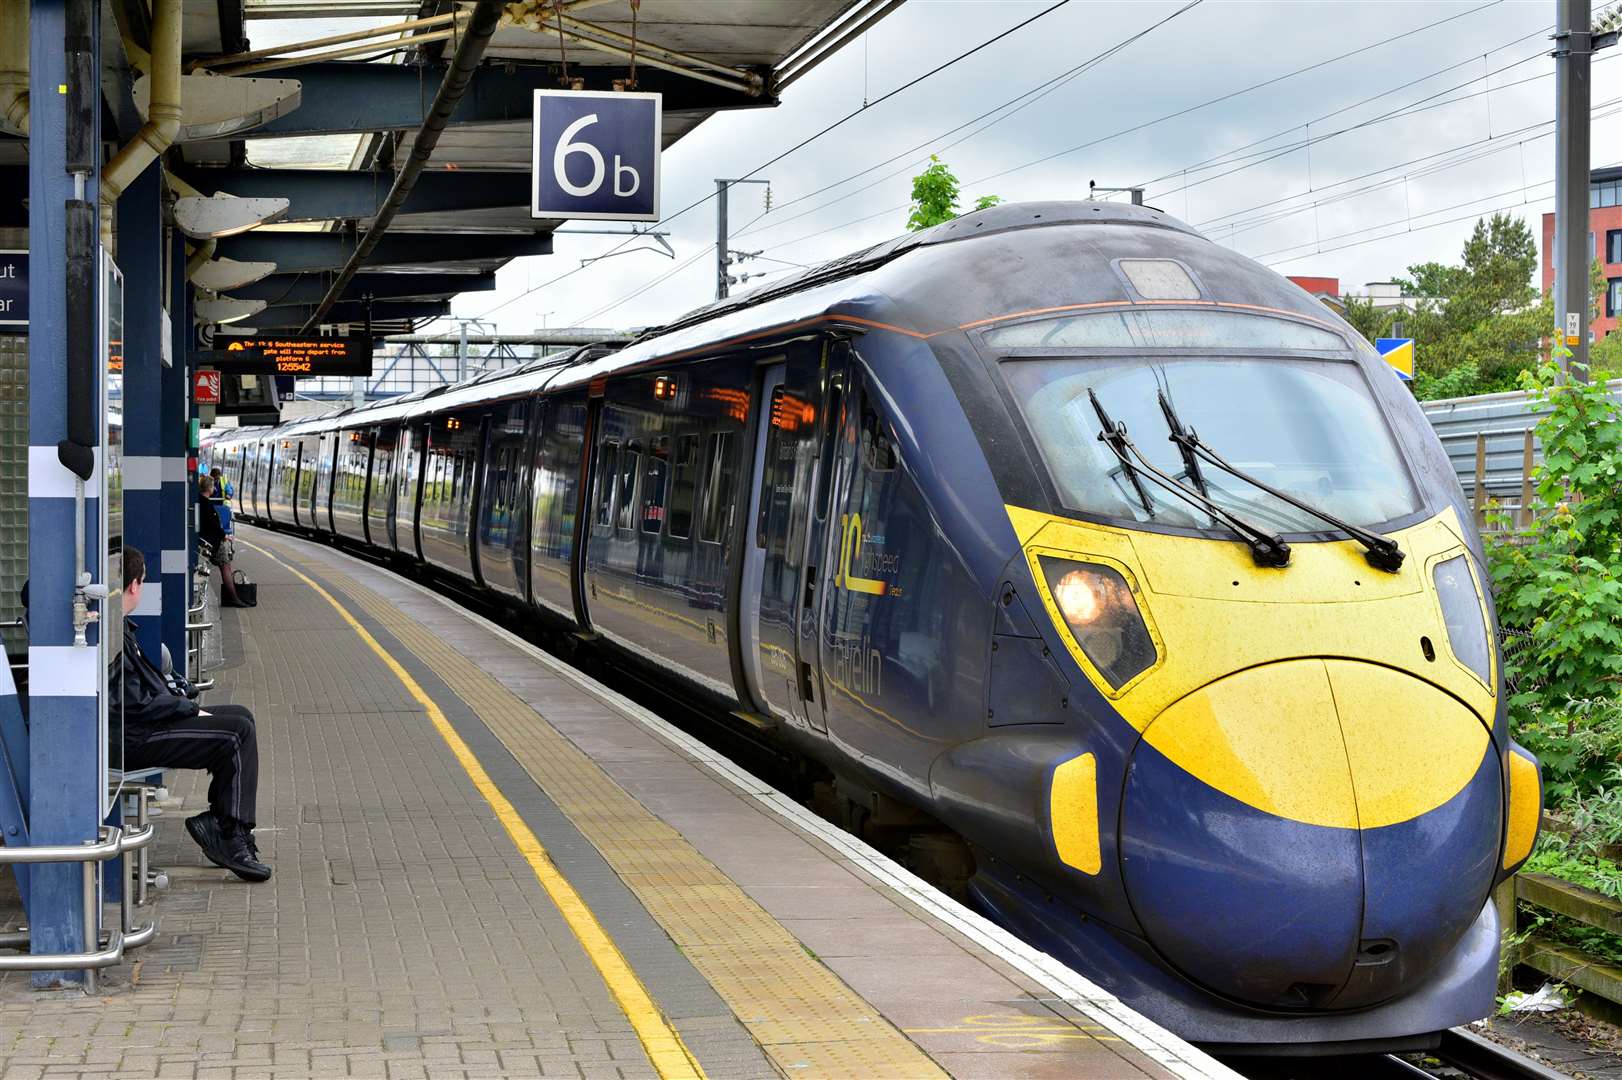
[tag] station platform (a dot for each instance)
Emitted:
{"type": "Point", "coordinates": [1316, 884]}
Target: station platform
{"type": "Point", "coordinates": [487, 864]}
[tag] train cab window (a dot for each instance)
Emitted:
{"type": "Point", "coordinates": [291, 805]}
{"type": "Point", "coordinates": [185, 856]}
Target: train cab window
{"type": "Point", "coordinates": [1309, 427]}
{"type": "Point", "coordinates": [720, 488]}
{"type": "Point", "coordinates": [653, 485]}
{"type": "Point", "coordinates": [683, 487]}
{"type": "Point", "coordinates": [625, 508]}
{"type": "Point", "coordinates": [607, 471]}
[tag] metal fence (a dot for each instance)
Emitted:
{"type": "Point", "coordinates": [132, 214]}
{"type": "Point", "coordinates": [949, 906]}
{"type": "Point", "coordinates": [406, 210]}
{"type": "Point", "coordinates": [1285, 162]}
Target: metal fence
{"type": "Point", "coordinates": [1489, 440]}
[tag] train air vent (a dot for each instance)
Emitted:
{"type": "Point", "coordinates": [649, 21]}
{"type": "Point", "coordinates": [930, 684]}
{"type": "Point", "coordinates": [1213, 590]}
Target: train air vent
{"type": "Point", "coordinates": [1159, 279]}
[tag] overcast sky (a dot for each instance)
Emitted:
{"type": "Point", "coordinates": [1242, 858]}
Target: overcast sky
{"type": "Point", "coordinates": [1358, 205]}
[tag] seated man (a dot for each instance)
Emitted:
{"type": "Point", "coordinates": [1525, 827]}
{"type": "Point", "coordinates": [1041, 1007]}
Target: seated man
{"type": "Point", "coordinates": [164, 729]}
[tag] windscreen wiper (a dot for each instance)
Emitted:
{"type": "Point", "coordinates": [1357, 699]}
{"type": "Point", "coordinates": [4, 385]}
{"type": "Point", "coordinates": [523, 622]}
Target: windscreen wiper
{"type": "Point", "coordinates": [1382, 552]}
{"type": "Point", "coordinates": [1266, 548]}
{"type": "Point", "coordinates": [1114, 436]}
{"type": "Point", "coordinates": [1191, 461]}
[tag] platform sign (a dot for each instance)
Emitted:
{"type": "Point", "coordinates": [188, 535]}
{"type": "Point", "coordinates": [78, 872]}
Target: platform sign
{"type": "Point", "coordinates": [13, 289]}
{"type": "Point", "coordinates": [595, 155]}
{"type": "Point", "coordinates": [297, 356]}
{"type": "Point", "coordinates": [206, 388]}
{"type": "Point", "coordinates": [1399, 353]}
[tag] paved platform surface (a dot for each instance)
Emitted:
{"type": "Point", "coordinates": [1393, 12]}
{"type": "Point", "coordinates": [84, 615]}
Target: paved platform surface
{"type": "Point", "coordinates": [486, 865]}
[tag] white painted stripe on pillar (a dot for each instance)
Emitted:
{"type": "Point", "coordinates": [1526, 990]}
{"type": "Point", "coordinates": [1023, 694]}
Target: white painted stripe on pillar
{"type": "Point", "coordinates": [62, 671]}
{"type": "Point", "coordinates": [174, 562]}
{"type": "Point", "coordinates": [151, 601]}
{"type": "Point", "coordinates": [47, 477]}
{"type": "Point", "coordinates": [174, 470]}
{"type": "Point", "coordinates": [143, 473]}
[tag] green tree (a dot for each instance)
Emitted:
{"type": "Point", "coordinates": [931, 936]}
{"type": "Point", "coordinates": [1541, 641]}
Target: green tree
{"type": "Point", "coordinates": [935, 194]}
{"type": "Point", "coordinates": [1607, 352]}
{"type": "Point", "coordinates": [1476, 324]}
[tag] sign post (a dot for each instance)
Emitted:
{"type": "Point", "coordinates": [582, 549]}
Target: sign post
{"type": "Point", "coordinates": [595, 155]}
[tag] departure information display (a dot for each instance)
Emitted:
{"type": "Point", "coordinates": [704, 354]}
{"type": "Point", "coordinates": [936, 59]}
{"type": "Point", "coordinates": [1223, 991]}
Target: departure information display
{"type": "Point", "coordinates": [297, 356]}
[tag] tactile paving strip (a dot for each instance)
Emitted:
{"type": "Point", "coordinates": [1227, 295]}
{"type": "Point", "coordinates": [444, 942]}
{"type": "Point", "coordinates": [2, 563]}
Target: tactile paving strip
{"type": "Point", "coordinates": [804, 1017]}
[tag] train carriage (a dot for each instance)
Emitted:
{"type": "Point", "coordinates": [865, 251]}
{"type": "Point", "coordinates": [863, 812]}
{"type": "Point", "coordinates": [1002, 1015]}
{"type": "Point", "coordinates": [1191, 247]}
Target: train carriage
{"type": "Point", "coordinates": [1059, 527]}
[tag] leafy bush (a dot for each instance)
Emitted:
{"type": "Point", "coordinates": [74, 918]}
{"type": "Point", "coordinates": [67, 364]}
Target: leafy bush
{"type": "Point", "coordinates": [1561, 579]}
{"type": "Point", "coordinates": [1579, 747]}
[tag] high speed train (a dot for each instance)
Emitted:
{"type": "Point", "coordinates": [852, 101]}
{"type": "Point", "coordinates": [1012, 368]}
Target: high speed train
{"type": "Point", "coordinates": [1102, 547]}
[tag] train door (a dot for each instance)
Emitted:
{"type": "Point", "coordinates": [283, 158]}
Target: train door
{"type": "Point", "coordinates": [783, 531]}
{"type": "Point", "coordinates": [750, 644]}
{"type": "Point", "coordinates": [821, 537]}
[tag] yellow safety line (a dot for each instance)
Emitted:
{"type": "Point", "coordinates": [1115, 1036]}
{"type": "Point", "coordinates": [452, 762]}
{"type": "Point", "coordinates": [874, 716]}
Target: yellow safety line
{"type": "Point", "coordinates": [664, 1046]}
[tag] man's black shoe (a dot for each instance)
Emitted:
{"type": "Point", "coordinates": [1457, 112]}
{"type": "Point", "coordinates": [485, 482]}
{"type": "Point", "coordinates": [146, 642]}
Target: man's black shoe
{"type": "Point", "coordinates": [241, 856]}
{"type": "Point", "coordinates": [205, 829]}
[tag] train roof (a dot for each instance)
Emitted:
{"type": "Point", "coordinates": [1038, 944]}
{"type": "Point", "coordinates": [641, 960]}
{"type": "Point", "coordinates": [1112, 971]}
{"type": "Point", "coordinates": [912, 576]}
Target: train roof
{"type": "Point", "coordinates": [1017, 246]}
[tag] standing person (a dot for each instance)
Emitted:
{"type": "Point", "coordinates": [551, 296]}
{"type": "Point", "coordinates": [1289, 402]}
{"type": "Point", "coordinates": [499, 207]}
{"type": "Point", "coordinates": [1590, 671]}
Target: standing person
{"type": "Point", "coordinates": [221, 485]}
{"type": "Point", "coordinates": [210, 529]}
{"type": "Point", "coordinates": [163, 729]}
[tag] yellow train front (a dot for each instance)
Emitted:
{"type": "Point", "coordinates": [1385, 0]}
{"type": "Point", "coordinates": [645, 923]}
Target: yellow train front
{"type": "Point", "coordinates": [1284, 786]}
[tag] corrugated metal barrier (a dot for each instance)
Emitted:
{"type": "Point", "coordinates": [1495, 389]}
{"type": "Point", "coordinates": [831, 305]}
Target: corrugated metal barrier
{"type": "Point", "coordinates": [1501, 456]}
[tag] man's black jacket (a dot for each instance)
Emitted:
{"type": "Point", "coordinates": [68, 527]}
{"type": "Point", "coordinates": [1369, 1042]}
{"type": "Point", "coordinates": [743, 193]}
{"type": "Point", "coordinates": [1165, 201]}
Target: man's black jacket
{"type": "Point", "coordinates": [141, 690]}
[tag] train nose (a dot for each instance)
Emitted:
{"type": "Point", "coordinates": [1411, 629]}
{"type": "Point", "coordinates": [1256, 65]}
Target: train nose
{"type": "Point", "coordinates": [1312, 833]}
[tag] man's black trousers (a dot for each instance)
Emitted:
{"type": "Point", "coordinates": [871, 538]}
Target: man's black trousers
{"type": "Point", "coordinates": [223, 742]}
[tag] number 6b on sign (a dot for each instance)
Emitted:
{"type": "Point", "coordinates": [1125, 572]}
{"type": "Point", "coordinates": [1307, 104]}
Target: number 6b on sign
{"type": "Point", "coordinates": [595, 155]}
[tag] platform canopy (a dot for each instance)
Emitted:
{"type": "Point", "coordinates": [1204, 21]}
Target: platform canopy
{"type": "Point", "coordinates": [327, 98]}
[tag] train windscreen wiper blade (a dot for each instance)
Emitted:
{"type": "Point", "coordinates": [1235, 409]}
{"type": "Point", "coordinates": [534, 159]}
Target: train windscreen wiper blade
{"type": "Point", "coordinates": [1191, 460]}
{"type": "Point", "coordinates": [1266, 548]}
{"type": "Point", "coordinates": [1382, 552]}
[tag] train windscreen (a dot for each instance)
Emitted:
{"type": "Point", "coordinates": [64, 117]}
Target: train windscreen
{"type": "Point", "coordinates": [1310, 428]}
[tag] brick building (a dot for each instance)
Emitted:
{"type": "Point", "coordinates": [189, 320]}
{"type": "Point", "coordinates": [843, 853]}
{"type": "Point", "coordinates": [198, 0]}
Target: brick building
{"type": "Point", "coordinates": [1604, 241]}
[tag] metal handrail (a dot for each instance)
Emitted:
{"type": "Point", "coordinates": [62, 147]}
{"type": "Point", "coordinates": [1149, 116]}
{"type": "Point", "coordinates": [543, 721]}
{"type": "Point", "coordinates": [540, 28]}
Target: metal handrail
{"type": "Point", "coordinates": [114, 841]}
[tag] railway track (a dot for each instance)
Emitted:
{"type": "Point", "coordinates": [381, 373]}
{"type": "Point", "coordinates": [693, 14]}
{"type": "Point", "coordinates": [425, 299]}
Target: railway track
{"type": "Point", "coordinates": [1462, 1054]}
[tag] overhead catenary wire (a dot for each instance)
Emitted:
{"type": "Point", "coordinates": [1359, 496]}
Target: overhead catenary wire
{"type": "Point", "coordinates": [1014, 105]}
{"type": "Point", "coordinates": [1129, 130]}
{"type": "Point", "coordinates": [1423, 105]}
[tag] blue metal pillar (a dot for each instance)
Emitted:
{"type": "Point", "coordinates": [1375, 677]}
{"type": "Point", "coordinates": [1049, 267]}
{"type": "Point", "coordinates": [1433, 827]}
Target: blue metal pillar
{"type": "Point", "coordinates": [64, 680]}
{"type": "Point", "coordinates": [175, 436]}
{"type": "Point", "coordinates": [175, 414]}
{"type": "Point", "coordinates": [140, 256]}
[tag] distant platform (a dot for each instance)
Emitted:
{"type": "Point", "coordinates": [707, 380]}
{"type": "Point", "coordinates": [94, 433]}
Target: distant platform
{"type": "Point", "coordinates": [487, 864]}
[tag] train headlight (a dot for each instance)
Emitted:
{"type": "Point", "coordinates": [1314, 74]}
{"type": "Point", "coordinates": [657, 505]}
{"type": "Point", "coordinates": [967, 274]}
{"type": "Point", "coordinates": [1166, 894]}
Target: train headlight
{"type": "Point", "coordinates": [1461, 612]}
{"type": "Point", "coordinates": [1098, 609]}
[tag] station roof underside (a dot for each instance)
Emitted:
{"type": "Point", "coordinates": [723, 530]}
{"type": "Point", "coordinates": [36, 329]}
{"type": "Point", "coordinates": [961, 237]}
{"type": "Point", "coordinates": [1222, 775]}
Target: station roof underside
{"type": "Point", "coordinates": [333, 156]}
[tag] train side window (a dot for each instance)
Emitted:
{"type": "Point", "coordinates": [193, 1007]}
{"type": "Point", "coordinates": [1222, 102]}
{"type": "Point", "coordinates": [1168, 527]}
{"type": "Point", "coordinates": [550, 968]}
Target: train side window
{"type": "Point", "coordinates": [630, 460]}
{"type": "Point", "coordinates": [607, 471]}
{"type": "Point", "coordinates": [683, 486]}
{"type": "Point", "coordinates": [833, 424]}
{"type": "Point", "coordinates": [720, 481]}
{"type": "Point", "coordinates": [653, 485]}
{"type": "Point", "coordinates": [878, 449]}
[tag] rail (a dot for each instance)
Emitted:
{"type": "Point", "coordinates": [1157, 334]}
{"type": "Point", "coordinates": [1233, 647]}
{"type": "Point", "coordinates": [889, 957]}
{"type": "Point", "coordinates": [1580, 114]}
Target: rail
{"type": "Point", "coordinates": [1483, 1059]}
{"type": "Point", "coordinates": [109, 947]}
